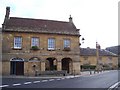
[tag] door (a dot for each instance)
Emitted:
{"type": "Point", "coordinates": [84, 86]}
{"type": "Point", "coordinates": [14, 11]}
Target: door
{"type": "Point", "coordinates": [17, 68]}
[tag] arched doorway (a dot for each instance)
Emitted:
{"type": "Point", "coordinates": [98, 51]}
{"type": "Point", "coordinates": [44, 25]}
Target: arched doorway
{"type": "Point", "coordinates": [17, 66]}
{"type": "Point", "coordinates": [51, 64]}
{"type": "Point", "coordinates": [67, 64]}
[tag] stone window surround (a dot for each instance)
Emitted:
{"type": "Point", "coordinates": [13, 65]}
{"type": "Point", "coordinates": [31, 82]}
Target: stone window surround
{"type": "Point", "coordinates": [16, 46]}
{"type": "Point", "coordinates": [49, 49]}
{"type": "Point", "coordinates": [66, 43]}
{"type": "Point", "coordinates": [37, 38]}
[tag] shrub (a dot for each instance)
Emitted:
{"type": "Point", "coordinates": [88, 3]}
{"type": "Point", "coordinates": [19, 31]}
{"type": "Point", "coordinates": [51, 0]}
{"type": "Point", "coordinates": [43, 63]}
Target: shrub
{"type": "Point", "coordinates": [35, 48]}
{"type": "Point", "coordinates": [88, 66]}
{"type": "Point", "coordinates": [66, 48]}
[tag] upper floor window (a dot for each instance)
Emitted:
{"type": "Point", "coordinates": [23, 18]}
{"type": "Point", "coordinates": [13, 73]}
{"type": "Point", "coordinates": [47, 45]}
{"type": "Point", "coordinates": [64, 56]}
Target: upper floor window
{"type": "Point", "coordinates": [18, 42]}
{"type": "Point", "coordinates": [66, 43]}
{"type": "Point", "coordinates": [35, 41]}
{"type": "Point", "coordinates": [51, 44]}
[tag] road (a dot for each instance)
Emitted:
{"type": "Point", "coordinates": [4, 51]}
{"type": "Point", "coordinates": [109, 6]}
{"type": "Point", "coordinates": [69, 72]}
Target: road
{"type": "Point", "coordinates": [102, 80]}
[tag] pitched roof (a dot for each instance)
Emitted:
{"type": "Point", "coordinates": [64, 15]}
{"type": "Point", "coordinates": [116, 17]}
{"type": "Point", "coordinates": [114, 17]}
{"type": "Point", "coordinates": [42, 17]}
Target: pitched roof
{"type": "Point", "coordinates": [114, 49]}
{"type": "Point", "coordinates": [92, 52]}
{"type": "Point", "coordinates": [40, 26]}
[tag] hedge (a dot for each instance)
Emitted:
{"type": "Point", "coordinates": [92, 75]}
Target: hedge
{"type": "Point", "coordinates": [88, 66]}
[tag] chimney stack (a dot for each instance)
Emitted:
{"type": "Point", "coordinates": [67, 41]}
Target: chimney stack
{"type": "Point", "coordinates": [7, 12]}
{"type": "Point", "coordinates": [6, 17]}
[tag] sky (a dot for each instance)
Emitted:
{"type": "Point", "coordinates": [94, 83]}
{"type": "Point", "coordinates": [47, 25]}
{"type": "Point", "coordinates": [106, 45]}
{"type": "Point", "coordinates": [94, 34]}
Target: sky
{"type": "Point", "coordinates": [96, 19]}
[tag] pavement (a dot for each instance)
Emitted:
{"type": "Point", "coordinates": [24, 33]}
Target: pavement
{"type": "Point", "coordinates": [83, 73]}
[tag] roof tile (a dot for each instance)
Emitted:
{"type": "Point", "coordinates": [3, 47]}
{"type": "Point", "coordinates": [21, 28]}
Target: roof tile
{"type": "Point", "coordinates": [40, 25]}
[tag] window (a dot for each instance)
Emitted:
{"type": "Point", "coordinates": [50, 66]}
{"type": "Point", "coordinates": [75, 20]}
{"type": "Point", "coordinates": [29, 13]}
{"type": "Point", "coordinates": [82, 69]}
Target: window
{"type": "Point", "coordinates": [66, 43]}
{"type": "Point", "coordinates": [18, 42]}
{"type": "Point", "coordinates": [35, 41]}
{"type": "Point", "coordinates": [51, 44]}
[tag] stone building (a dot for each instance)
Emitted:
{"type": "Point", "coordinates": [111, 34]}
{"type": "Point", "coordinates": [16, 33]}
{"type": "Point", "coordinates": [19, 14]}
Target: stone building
{"type": "Point", "coordinates": [116, 50]}
{"type": "Point", "coordinates": [106, 59]}
{"type": "Point", "coordinates": [30, 45]}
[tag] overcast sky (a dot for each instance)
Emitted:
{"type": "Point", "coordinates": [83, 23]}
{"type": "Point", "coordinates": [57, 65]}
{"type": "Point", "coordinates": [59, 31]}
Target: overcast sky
{"type": "Point", "coordinates": [96, 19]}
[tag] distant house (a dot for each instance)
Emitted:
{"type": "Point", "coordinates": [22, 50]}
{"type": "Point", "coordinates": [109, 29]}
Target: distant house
{"type": "Point", "coordinates": [106, 58]}
{"type": "Point", "coordinates": [116, 50]}
{"type": "Point", "coordinates": [31, 45]}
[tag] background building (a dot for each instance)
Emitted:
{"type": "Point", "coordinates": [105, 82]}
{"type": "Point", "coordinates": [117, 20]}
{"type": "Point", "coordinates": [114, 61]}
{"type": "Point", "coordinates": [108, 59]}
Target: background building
{"type": "Point", "coordinates": [116, 50]}
{"type": "Point", "coordinates": [107, 59]}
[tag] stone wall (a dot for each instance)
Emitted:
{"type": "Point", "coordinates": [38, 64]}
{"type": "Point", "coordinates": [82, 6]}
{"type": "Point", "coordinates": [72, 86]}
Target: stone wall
{"type": "Point", "coordinates": [43, 53]}
{"type": "Point", "coordinates": [92, 60]}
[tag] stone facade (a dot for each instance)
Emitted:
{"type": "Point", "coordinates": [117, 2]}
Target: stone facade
{"type": "Point", "coordinates": [27, 53]}
{"type": "Point", "coordinates": [88, 57]}
{"type": "Point", "coordinates": [25, 60]}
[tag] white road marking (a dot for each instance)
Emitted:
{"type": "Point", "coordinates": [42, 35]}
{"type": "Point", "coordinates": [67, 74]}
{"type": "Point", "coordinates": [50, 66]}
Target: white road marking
{"type": "Point", "coordinates": [62, 78]}
{"type": "Point", "coordinates": [27, 82]}
{"type": "Point", "coordinates": [36, 81]}
{"type": "Point", "coordinates": [58, 79]}
{"type": "Point", "coordinates": [68, 77]}
{"type": "Point", "coordinates": [77, 76]}
{"type": "Point", "coordinates": [114, 86]}
{"type": "Point", "coordinates": [71, 77]}
{"type": "Point", "coordinates": [51, 79]}
{"type": "Point", "coordinates": [16, 84]}
{"type": "Point", "coordinates": [4, 86]}
{"type": "Point", "coordinates": [44, 80]}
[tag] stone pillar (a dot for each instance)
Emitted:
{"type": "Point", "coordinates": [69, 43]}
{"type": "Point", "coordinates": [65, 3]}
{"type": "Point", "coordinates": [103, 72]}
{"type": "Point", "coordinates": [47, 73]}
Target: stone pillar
{"type": "Point", "coordinates": [59, 65]}
{"type": "Point", "coordinates": [70, 67]}
{"type": "Point", "coordinates": [43, 65]}
{"type": "Point", "coordinates": [76, 67]}
{"type": "Point", "coordinates": [26, 68]}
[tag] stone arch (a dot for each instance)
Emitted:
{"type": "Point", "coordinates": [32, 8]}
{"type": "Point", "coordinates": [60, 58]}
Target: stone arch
{"type": "Point", "coordinates": [17, 59]}
{"type": "Point", "coordinates": [34, 65]}
{"type": "Point", "coordinates": [51, 63]}
{"type": "Point", "coordinates": [17, 66]}
{"type": "Point", "coordinates": [67, 64]}
{"type": "Point", "coordinates": [34, 59]}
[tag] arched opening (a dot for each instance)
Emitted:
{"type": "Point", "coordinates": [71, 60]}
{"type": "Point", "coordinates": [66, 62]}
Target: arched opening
{"type": "Point", "coordinates": [17, 66]}
{"type": "Point", "coordinates": [51, 64]}
{"type": "Point", "coordinates": [67, 64]}
{"type": "Point", "coordinates": [34, 59]}
{"type": "Point", "coordinates": [34, 65]}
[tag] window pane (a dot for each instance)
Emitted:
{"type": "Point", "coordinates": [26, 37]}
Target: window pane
{"type": "Point", "coordinates": [35, 41]}
{"type": "Point", "coordinates": [51, 43]}
{"type": "Point", "coordinates": [17, 42]}
{"type": "Point", "coordinates": [66, 43]}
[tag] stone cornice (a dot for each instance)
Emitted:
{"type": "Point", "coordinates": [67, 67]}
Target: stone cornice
{"type": "Point", "coordinates": [75, 33]}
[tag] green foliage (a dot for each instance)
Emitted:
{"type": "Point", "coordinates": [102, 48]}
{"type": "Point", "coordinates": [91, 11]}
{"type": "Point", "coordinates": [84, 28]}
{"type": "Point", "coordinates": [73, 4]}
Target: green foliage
{"type": "Point", "coordinates": [88, 66]}
{"type": "Point", "coordinates": [35, 48]}
{"type": "Point", "coordinates": [66, 48]}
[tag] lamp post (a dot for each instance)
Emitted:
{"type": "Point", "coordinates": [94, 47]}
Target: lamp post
{"type": "Point", "coordinates": [80, 45]}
